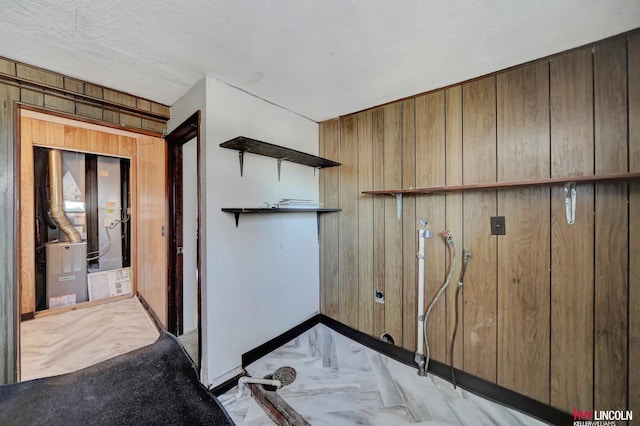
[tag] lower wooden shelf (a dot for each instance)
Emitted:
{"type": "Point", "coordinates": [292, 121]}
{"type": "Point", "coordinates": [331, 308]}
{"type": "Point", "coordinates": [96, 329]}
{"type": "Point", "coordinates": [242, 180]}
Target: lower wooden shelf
{"type": "Point", "coordinates": [237, 211]}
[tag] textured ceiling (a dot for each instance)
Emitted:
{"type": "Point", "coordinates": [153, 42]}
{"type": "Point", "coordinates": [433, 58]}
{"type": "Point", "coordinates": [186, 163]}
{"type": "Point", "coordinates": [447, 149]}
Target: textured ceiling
{"type": "Point", "coordinates": [318, 58]}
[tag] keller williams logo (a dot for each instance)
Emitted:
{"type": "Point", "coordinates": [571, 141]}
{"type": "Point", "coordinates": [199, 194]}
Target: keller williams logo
{"type": "Point", "coordinates": [599, 417]}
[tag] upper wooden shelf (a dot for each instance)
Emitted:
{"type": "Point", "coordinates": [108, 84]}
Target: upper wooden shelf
{"type": "Point", "coordinates": [616, 177]}
{"type": "Point", "coordinates": [281, 153]}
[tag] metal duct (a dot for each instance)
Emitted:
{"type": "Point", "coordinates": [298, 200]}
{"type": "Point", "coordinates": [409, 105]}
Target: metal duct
{"type": "Point", "coordinates": [56, 198]}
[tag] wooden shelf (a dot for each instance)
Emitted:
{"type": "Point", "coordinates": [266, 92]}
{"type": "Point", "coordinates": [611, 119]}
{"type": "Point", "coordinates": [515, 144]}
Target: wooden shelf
{"type": "Point", "coordinates": [253, 146]}
{"type": "Point", "coordinates": [266, 210]}
{"type": "Point", "coordinates": [617, 177]}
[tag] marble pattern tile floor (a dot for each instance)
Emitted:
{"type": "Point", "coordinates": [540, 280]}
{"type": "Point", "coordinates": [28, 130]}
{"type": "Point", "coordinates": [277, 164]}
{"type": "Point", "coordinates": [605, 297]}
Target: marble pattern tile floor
{"type": "Point", "coordinates": [341, 382]}
{"type": "Point", "coordinates": [69, 341]}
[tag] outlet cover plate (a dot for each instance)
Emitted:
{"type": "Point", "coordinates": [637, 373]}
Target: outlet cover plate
{"type": "Point", "coordinates": [498, 225]}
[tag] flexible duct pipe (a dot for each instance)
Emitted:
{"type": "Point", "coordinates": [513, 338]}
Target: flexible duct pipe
{"type": "Point", "coordinates": [56, 202]}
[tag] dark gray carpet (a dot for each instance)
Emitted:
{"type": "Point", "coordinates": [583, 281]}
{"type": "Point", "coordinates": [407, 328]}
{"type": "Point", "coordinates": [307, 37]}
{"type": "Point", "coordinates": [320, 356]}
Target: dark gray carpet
{"type": "Point", "coordinates": [154, 385]}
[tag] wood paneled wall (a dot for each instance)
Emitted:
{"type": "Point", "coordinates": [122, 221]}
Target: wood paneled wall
{"type": "Point", "coordinates": [147, 156]}
{"type": "Point", "coordinates": [549, 310]}
{"type": "Point", "coordinates": [33, 86]}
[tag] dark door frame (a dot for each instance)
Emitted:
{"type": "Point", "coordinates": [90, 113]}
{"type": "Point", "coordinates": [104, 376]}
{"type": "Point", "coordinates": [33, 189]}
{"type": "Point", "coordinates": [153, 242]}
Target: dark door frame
{"type": "Point", "coordinates": [185, 132]}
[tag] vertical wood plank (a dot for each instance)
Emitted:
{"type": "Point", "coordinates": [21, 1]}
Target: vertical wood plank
{"type": "Point", "coordinates": [126, 146]}
{"type": "Point", "coordinates": [393, 225]}
{"type": "Point", "coordinates": [332, 225]}
{"type": "Point", "coordinates": [634, 296]}
{"type": "Point", "coordinates": [634, 223]}
{"type": "Point", "coordinates": [151, 181]}
{"type": "Point", "coordinates": [348, 199]}
{"type": "Point", "coordinates": [26, 218]}
{"type": "Point", "coordinates": [611, 242]}
{"type": "Point", "coordinates": [323, 226]}
{"type": "Point", "coordinates": [378, 220]}
{"type": "Point", "coordinates": [365, 223]}
{"type": "Point", "coordinates": [480, 289]}
{"type": "Point", "coordinates": [77, 139]}
{"type": "Point", "coordinates": [409, 229]}
{"type": "Point", "coordinates": [54, 134]}
{"type": "Point", "coordinates": [133, 187]}
{"type": "Point", "coordinates": [571, 80]}
{"type": "Point", "coordinates": [523, 253]}
{"type": "Point", "coordinates": [39, 132]}
{"type": "Point", "coordinates": [100, 142]}
{"type": "Point", "coordinates": [430, 171]}
{"type": "Point", "coordinates": [453, 216]}
{"type": "Point", "coordinates": [9, 339]}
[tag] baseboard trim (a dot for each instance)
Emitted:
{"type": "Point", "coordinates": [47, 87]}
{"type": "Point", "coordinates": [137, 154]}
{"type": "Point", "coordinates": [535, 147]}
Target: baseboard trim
{"type": "Point", "coordinates": [226, 386]}
{"type": "Point", "coordinates": [153, 315]}
{"type": "Point", "coordinates": [465, 380]}
{"type": "Point", "coordinates": [28, 316]}
{"type": "Point", "coordinates": [257, 353]}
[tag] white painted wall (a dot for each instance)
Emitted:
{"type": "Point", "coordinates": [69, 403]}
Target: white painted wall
{"type": "Point", "coordinates": [195, 99]}
{"type": "Point", "coordinates": [189, 236]}
{"type": "Point", "coordinates": [261, 278]}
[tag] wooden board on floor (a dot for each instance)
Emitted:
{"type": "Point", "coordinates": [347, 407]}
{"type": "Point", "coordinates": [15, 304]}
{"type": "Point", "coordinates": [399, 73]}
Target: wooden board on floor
{"type": "Point", "coordinates": [393, 225]}
{"type": "Point", "coordinates": [430, 161]}
{"type": "Point", "coordinates": [611, 242]}
{"type": "Point", "coordinates": [572, 244]}
{"type": "Point", "coordinates": [409, 229]}
{"type": "Point", "coordinates": [348, 200]}
{"type": "Point", "coordinates": [480, 290]}
{"type": "Point", "coordinates": [365, 223]}
{"type": "Point", "coordinates": [523, 253]}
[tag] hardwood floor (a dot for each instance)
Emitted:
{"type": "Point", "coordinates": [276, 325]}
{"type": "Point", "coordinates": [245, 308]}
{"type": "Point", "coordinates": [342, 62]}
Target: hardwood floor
{"type": "Point", "coordinates": [73, 340]}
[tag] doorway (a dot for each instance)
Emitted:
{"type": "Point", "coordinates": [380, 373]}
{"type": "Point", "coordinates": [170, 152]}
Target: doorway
{"type": "Point", "coordinates": [184, 235]}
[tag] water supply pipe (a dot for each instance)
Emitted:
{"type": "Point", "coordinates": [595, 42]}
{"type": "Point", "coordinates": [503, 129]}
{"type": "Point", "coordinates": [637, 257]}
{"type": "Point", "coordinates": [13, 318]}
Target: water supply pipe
{"type": "Point", "coordinates": [423, 233]}
{"type": "Point", "coordinates": [466, 255]}
{"type": "Point", "coordinates": [449, 240]}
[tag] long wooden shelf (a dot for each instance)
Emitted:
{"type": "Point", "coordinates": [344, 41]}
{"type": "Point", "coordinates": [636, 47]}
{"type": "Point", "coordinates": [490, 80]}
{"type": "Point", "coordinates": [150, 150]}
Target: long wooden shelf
{"type": "Point", "coordinates": [237, 211]}
{"type": "Point", "coordinates": [253, 146]}
{"type": "Point", "coordinates": [614, 177]}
